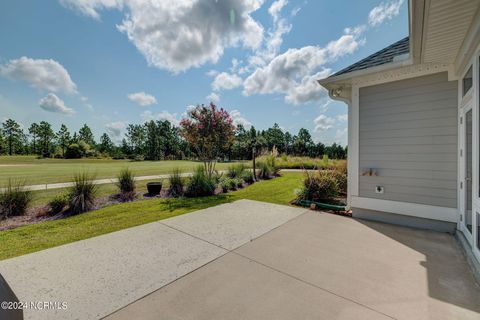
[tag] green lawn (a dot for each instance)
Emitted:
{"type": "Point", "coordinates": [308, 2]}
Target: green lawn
{"type": "Point", "coordinates": [49, 234]}
{"type": "Point", "coordinates": [40, 171]}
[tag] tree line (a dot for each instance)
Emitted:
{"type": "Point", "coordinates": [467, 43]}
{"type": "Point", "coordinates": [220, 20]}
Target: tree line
{"type": "Point", "coordinates": [153, 140]}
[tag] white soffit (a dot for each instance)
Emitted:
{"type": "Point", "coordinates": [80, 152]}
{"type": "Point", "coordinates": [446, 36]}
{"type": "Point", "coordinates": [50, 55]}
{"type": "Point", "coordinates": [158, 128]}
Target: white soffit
{"type": "Point", "coordinates": [446, 25]}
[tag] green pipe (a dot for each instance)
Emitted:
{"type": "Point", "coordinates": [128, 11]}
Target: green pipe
{"type": "Point", "coordinates": [307, 203]}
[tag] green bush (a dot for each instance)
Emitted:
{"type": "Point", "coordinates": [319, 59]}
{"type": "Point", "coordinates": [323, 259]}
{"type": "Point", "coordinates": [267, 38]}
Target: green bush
{"type": "Point", "coordinates": [342, 180]}
{"type": "Point", "coordinates": [319, 186]}
{"type": "Point", "coordinates": [81, 196]}
{"type": "Point", "coordinates": [14, 199]}
{"type": "Point", "coordinates": [228, 184]}
{"type": "Point", "coordinates": [74, 151]}
{"type": "Point", "coordinates": [126, 184]}
{"type": "Point", "coordinates": [236, 171]}
{"type": "Point", "coordinates": [176, 183]}
{"type": "Point", "coordinates": [200, 185]}
{"type": "Point", "coordinates": [58, 203]}
{"type": "Point", "coordinates": [265, 171]}
{"type": "Point", "coordinates": [247, 176]}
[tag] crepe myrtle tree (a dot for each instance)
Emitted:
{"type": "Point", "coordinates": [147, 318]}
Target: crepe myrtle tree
{"type": "Point", "coordinates": [210, 132]}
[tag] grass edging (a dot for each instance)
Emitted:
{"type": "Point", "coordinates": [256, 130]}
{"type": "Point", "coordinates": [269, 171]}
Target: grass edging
{"type": "Point", "coordinates": [36, 237]}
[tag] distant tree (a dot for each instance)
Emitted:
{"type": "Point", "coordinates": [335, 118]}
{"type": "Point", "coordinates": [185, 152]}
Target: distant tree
{"type": "Point", "coordinates": [45, 137]}
{"type": "Point", "coordinates": [153, 141]}
{"type": "Point", "coordinates": [302, 142]}
{"type": "Point", "coordinates": [13, 135]}
{"type": "Point", "coordinates": [33, 130]}
{"type": "Point", "coordinates": [63, 138]}
{"type": "Point", "coordinates": [210, 132]}
{"type": "Point", "coordinates": [2, 143]}
{"type": "Point", "coordinates": [136, 138]}
{"type": "Point", "coordinates": [106, 144]}
{"type": "Point", "coordinates": [275, 137]}
{"type": "Point", "coordinates": [85, 134]}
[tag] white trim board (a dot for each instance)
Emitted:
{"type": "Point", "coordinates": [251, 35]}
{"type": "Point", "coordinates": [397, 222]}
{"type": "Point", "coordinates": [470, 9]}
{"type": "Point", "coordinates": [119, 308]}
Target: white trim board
{"type": "Point", "coordinates": [406, 208]}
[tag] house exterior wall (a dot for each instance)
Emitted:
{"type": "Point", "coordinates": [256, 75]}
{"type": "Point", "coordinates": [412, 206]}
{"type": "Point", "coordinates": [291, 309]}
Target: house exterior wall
{"type": "Point", "coordinates": [408, 137]}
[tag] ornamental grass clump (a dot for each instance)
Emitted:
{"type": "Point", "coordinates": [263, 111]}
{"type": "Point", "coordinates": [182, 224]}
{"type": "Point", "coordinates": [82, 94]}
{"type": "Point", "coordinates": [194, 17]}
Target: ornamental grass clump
{"type": "Point", "coordinates": [14, 199]}
{"type": "Point", "coordinates": [81, 196]}
{"type": "Point", "coordinates": [319, 186]}
{"type": "Point", "coordinates": [200, 184]}
{"type": "Point", "coordinates": [126, 184]}
{"type": "Point", "coordinates": [176, 184]}
{"type": "Point", "coordinates": [236, 171]}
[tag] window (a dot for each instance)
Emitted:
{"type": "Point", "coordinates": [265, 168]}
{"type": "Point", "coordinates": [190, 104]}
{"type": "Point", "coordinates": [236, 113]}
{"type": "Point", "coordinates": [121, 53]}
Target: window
{"type": "Point", "coordinates": [467, 81]}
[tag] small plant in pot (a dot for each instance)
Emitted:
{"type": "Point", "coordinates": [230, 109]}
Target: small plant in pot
{"type": "Point", "coordinates": [154, 188]}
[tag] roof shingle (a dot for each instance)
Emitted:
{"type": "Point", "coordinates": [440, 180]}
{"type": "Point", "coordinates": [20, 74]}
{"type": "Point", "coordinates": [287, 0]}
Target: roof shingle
{"type": "Point", "coordinates": [383, 56]}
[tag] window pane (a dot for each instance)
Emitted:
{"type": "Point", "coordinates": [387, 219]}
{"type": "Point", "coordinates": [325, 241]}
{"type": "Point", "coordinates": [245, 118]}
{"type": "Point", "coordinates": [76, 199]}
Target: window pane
{"type": "Point", "coordinates": [467, 81]}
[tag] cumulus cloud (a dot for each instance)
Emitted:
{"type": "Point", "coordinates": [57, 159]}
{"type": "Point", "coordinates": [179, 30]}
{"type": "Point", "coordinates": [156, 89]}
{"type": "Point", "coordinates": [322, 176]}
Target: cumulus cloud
{"type": "Point", "coordinates": [384, 12]}
{"type": "Point", "coordinates": [213, 97]}
{"type": "Point", "coordinates": [239, 119]}
{"type": "Point", "coordinates": [274, 38]}
{"type": "Point", "coordinates": [164, 115]}
{"type": "Point", "coordinates": [142, 99]}
{"type": "Point", "coordinates": [46, 74]}
{"type": "Point", "coordinates": [276, 7]}
{"type": "Point", "coordinates": [323, 123]}
{"type": "Point", "coordinates": [179, 34]}
{"type": "Point", "coordinates": [52, 103]}
{"type": "Point", "coordinates": [226, 81]}
{"type": "Point", "coordinates": [294, 72]}
{"type": "Point", "coordinates": [90, 8]}
{"type": "Point", "coordinates": [342, 117]}
{"type": "Point", "coordinates": [115, 130]}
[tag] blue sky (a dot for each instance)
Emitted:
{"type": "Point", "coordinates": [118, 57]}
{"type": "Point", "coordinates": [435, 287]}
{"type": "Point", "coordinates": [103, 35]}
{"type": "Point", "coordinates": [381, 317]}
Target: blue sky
{"type": "Point", "coordinates": [112, 62]}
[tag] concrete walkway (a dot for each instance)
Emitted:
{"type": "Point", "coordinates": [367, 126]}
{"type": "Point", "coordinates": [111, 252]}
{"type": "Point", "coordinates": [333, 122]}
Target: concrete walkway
{"type": "Point", "coordinates": [252, 260]}
{"type": "Point", "coordinates": [98, 276]}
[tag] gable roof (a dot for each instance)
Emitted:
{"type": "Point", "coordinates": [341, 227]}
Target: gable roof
{"type": "Point", "coordinates": [383, 56]}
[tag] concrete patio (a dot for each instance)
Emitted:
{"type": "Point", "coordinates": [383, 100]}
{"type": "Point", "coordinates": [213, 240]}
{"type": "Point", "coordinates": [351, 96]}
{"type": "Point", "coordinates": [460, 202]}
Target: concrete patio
{"type": "Point", "coordinates": [252, 260]}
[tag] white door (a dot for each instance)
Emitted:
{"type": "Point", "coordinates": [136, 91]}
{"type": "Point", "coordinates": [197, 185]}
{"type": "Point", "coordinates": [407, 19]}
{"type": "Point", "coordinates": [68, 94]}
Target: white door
{"type": "Point", "coordinates": [466, 156]}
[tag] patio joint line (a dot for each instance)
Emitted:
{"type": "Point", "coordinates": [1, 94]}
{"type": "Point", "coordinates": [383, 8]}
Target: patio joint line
{"type": "Point", "coordinates": [313, 285]}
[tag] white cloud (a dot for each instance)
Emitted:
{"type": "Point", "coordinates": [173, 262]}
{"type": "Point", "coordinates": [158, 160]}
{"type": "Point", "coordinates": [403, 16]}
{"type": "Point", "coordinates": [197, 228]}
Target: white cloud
{"type": "Point", "coordinates": [341, 136]}
{"type": "Point", "coordinates": [46, 74]}
{"type": "Point", "coordinates": [179, 34]}
{"type": "Point", "coordinates": [274, 38]}
{"type": "Point", "coordinates": [295, 11]}
{"type": "Point", "coordinates": [90, 8]}
{"type": "Point", "coordinates": [164, 115]}
{"type": "Point", "coordinates": [294, 72]}
{"type": "Point", "coordinates": [142, 98]}
{"type": "Point", "coordinates": [323, 123]}
{"type": "Point", "coordinates": [384, 11]}
{"type": "Point", "coordinates": [342, 117]}
{"type": "Point", "coordinates": [213, 97]}
{"type": "Point", "coordinates": [276, 7]}
{"type": "Point", "coordinates": [226, 81]}
{"type": "Point", "coordinates": [239, 119]}
{"type": "Point", "coordinates": [52, 103]}
{"type": "Point", "coordinates": [115, 130]}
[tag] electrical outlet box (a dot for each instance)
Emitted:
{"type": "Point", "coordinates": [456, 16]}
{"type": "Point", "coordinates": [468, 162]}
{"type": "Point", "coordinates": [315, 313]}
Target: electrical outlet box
{"type": "Point", "coordinates": [379, 189]}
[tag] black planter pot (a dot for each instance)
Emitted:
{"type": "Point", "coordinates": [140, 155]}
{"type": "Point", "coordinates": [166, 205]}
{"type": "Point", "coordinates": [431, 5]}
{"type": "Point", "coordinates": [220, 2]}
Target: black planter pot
{"type": "Point", "coordinates": [154, 188]}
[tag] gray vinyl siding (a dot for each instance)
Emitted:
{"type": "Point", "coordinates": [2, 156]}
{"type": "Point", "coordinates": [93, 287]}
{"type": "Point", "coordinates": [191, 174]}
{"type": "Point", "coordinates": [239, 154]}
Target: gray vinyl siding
{"type": "Point", "coordinates": [408, 135]}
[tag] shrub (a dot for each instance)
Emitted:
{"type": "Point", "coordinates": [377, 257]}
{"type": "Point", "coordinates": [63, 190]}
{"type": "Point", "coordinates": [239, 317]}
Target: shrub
{"type": "Point", "coordinates": [341, 178]}
{"type": "Point", "coordinates": [176, 183]}
{"type": "Point", "coordinates": [265, 171]}
{"type": "Point", "coordinates": [247, 176]}
{"type": "Point", "coordinates": [58, 203]}
{"type": "Point", "coordinates": [200, 185]}
{"type": "Point", "coordinates": [126, 184]}
{"type": "Point", "coordinates": [74, 151]}
{"type": "Point", "coordinates": [236, 171]}
{"type": "Point", "coordinates": [319, 186]}
{"type": "Point", "coordinates": [81, 196]}
{"type": "Point", "coordinates": [14, 199]}
{"type": "Point", "coordinates": [228, 184]}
